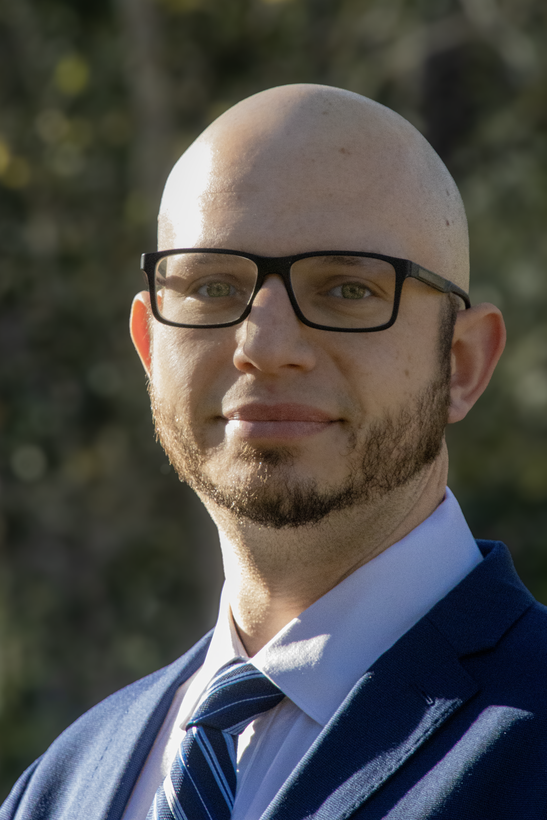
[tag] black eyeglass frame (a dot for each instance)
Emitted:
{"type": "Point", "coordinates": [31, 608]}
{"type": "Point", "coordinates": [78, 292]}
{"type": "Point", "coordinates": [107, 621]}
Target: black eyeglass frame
{"type": "Point", "coordinates": [281, 266]}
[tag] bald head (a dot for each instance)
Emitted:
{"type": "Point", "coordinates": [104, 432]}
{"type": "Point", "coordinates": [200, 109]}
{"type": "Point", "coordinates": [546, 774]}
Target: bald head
{"type": "Point", "coordinates": [309, 167]}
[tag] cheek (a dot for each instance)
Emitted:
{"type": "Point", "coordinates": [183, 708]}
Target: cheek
{"type": "Point", "coordinates": [418, 342]}
{"type": "Point", "coordinates": [187, 366]}
{"type": "Point", "coordinates": [385, 370]}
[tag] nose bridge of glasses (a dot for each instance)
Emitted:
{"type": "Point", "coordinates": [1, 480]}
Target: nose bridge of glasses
{"type": "Point", "coordinates": [268, 267]}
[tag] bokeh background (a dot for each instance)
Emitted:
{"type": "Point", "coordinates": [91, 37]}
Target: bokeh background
{"type": "Point", "coordinates": [108, 565]}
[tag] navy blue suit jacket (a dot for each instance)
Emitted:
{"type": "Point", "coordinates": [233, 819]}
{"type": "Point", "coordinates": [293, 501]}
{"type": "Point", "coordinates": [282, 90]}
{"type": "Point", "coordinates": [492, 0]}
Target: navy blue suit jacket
{"type": "Point", "coordinates": [449, 723]}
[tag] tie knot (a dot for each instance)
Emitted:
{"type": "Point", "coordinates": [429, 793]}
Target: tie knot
{"type": "Point", "coordinates": [236, 695]}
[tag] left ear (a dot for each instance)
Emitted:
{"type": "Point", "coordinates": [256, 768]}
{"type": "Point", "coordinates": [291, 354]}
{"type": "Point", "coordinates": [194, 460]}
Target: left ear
{"type": "Point", "coordinates": [479, 339]}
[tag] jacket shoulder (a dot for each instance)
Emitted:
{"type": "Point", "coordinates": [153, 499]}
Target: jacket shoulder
{"type": "Point", "coordinates": [99, 757]}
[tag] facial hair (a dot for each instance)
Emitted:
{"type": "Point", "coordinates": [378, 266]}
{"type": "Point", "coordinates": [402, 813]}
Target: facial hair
{"type": "Point", "coordinates": [396, 449]}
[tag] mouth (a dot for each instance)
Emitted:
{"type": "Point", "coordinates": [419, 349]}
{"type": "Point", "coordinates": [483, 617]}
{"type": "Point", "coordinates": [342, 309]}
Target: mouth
{"type": "Point", "coordinates": [276, 421]}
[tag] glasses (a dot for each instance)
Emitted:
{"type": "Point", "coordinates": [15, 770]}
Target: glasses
{"type": "Point", "coordinates": [347, 291]}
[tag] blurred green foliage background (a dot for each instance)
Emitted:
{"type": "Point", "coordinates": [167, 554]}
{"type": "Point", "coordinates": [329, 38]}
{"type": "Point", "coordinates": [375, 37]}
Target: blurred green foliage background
{"type": "Point", "coordinates": [109, 566]}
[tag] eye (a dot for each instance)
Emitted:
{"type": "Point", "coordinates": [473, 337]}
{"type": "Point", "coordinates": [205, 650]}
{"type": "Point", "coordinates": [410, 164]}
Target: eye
{"type": "Point", "coordinates": [216, 289]}
{"type": "Point", "coordinates": [351, 290]}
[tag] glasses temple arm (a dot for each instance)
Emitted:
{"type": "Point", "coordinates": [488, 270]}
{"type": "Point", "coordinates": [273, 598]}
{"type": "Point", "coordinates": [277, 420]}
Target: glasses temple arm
{"type": "Point", "coordinates": [439, 283]}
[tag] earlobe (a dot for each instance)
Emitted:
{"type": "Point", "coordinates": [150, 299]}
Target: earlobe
{"type": "Point", "coordinates": [479, 340]}
{"type": "Point", "coordinates": [139, 327]}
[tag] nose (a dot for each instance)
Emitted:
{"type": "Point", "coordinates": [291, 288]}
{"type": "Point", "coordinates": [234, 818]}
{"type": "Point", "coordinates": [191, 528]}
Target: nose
{"type": "Point", "coordinates": [272, 338]}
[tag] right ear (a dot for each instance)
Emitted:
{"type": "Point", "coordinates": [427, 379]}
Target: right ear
{"type": "Point", "coordinates": [139, 327]}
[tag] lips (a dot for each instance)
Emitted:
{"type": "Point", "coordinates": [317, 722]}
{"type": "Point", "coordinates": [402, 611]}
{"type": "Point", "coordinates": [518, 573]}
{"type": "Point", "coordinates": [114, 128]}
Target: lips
{"type": "Point", "coordinates": [276, 421]}
{"type": "Point", "coordinates": [278, 412]}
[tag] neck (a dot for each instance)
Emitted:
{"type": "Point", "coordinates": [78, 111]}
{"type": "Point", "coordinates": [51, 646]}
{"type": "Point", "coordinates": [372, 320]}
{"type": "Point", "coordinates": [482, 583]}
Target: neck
{"type": "Point", "coordinates": [272, 575]}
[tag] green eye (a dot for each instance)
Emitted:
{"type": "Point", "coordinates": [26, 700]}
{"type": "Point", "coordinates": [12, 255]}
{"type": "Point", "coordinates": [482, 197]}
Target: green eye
{"type": "Point", "coordinates": [351, 290]}
{"type": "Point", "coordinates": [216, 289]}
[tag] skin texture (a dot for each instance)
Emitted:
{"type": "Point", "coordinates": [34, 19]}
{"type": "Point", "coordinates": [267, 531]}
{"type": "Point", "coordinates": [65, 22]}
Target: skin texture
{"type": "Point", "coordinates": [290, 170]}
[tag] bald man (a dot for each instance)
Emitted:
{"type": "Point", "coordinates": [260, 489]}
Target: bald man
{"type": "Point", "coordinates": [307, 336]}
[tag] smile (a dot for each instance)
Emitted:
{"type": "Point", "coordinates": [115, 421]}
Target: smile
{"type": "Point", "coordinates": [276, 421]}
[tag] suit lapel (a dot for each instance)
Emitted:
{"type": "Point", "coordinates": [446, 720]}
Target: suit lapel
{"type": "Point", "coordinates": [134, 735]}
{"type": "Point", "coordinates": [404, 698]}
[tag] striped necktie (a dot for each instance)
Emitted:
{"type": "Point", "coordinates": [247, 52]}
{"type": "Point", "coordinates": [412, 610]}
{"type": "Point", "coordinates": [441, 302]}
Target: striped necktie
{"type": "Point", "coordinates": [202, 782]}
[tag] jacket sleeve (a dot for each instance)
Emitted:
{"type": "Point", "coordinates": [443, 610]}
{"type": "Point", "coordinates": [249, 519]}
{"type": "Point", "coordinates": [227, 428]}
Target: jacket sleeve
{"type": "Point", "coordinates": [9, 808]}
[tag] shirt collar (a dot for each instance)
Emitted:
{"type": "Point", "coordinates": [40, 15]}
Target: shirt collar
{"type": "Point", "coordinates": [317, 658]}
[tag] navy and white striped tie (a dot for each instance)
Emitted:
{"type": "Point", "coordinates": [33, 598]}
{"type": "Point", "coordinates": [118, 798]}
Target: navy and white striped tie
{"type": "Point", "coordinates": [202, 782]}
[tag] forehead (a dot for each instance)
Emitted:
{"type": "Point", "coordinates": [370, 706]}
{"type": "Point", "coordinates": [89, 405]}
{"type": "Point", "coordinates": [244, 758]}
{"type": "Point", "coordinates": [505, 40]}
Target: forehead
{"type": "Point", "coordinates": [290, 210]}
{"type": "Point", "coordinates": [286, 186]}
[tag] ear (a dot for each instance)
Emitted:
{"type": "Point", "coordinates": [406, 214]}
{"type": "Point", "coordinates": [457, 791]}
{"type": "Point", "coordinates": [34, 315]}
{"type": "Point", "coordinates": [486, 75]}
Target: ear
{"type": "Point", "coordinates": [139, 327]}
{"type": "Point", "coordinates": [478, 342]}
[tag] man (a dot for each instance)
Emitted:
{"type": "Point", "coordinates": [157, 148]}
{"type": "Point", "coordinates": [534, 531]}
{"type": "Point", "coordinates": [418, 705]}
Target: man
{"type": "Point", "coordinates": [401, 667]}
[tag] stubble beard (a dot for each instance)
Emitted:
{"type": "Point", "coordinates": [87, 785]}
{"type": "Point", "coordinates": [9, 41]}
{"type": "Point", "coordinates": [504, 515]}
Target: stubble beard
{"type": "Point", "coordinates": [266, 491]}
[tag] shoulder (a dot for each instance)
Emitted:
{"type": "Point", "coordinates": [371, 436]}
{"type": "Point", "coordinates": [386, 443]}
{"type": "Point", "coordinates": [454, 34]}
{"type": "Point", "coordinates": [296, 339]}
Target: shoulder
{"type": "Point", "coordinates": [496, 625]}
{"type": "Point", "coordinates": [141, 699]}
{"type": "Point", "coordinates": [100, 755]}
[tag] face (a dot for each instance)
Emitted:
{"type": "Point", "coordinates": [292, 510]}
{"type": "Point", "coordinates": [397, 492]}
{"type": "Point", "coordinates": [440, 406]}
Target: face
{"type": "Point", "coordinates": [278, 422]}
{"type": "Point", "coordinates": [284, 424]}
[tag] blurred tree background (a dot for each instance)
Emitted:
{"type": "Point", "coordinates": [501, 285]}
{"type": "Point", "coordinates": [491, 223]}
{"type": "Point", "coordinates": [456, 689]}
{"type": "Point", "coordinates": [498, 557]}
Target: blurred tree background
{"type": "Point", "coordinates": [108, 564]}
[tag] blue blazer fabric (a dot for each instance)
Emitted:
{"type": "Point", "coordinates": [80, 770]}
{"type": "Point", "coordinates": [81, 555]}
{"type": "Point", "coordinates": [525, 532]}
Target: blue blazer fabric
{"type": "Point", "coordinates": [450, 723]}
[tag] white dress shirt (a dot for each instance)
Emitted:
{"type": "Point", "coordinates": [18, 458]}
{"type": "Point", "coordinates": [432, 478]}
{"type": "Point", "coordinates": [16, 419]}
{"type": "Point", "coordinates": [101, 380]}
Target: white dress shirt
{"type": "Point", "coordinates": [318, 658]}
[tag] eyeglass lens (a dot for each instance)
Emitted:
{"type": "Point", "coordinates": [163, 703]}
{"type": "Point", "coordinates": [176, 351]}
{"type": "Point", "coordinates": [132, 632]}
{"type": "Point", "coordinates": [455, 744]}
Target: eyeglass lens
{"type": "Point", "coordinates": [334, 291]}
